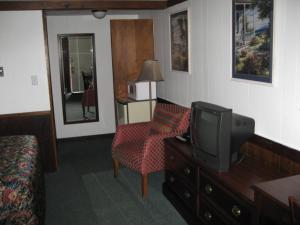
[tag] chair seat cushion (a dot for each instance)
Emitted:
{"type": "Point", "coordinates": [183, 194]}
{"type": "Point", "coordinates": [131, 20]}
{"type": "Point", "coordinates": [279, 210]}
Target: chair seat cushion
{"type": "Point", "coordinates": [165, 121]}
{"type": "Point", "coordinates": [129, 154]}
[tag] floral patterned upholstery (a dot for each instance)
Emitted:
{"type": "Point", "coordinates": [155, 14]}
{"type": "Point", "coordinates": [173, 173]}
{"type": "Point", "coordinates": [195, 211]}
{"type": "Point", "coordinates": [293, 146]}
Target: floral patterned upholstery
{"type": "Point", "coordinates": [21, 181]}
{"type": "Point", "coordinates": [134, 146]}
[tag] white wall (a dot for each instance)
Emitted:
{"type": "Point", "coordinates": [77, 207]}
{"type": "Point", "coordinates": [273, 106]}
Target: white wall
{"type": "Point", "coordinates": [22, 54]}
{"type": "Point", "coordinates": [101, 28]}
{"type": "Point", "coordinates": [276, 107]}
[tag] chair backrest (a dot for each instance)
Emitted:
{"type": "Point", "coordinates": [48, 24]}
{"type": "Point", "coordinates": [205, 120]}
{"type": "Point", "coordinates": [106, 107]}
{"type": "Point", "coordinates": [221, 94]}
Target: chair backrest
{"type": "Point", "coordinates": [173, 109]}
{"type": "Point", "coordinates": [294, 210]}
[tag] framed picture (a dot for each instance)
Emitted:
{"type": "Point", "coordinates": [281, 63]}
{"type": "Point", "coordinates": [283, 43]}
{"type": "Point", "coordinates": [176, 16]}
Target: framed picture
{"type": "Point", "coordinates": [179, 41]}
{"type": "Point", "coordinates": [252, 39]}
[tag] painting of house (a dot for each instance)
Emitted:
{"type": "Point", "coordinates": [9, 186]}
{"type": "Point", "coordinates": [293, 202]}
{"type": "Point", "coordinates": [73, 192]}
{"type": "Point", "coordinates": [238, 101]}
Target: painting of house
{"type": "Point", "coordinates": [253, 40]}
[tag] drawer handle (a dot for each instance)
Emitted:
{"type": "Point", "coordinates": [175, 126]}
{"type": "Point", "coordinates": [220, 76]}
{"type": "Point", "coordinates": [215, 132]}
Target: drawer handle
{"type": "Point", "coordinates": [236, 211]}
{"type": "Point", "coordinates": [207, 216]}
{"type": "Point", "coordinates": [172, 179]}
{"type": "Point", "coordinates": [187, 171]}
{"type": "Point", "coordinates": [187, 195]}
{"type": "Point", "coordinates": [208, 189]}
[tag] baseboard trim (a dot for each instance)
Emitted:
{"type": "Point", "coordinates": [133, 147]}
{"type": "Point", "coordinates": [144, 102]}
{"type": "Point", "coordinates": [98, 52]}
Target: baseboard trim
{"type": "Point", "coordinates": [162, 100]}
{"type": "Point", "coordinates": [174, 2]}
{"type": "Point", "coordinates": [38, 113]}
{"type": "Point", "coordinates": [84, 138]}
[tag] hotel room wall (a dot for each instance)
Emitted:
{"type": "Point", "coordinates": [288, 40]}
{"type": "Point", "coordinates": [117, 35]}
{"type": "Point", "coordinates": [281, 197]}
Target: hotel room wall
{"type": "Point", "coordinates": [25, 108]}
{"type": "Point", "coordinates": [22, 55]}
{"type": "Point", "coordinates": [101, 27]}
{"type": "Point", "coordinates": [275, 107]}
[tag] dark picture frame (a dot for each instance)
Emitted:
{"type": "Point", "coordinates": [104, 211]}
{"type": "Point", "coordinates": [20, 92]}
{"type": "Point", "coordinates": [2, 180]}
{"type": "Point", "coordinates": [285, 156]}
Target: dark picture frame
{"type": "Point", "coordinates": [252, 40]}
{"type": "Point", "coordinates": [179, 41]}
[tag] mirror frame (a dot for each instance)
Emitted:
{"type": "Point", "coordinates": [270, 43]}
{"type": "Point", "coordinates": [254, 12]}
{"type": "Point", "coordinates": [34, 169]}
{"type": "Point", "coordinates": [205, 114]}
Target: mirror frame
{"type": "Point", "coordinates": [62, 82]}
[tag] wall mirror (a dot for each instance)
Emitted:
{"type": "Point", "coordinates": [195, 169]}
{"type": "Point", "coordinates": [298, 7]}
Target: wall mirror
{"type": "Point", "coordinates": [78, 78]}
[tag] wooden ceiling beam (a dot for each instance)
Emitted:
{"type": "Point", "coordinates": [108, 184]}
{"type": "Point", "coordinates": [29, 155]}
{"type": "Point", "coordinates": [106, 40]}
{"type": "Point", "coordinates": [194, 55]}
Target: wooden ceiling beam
{"type": "Point", "coordinates": [84, 4]}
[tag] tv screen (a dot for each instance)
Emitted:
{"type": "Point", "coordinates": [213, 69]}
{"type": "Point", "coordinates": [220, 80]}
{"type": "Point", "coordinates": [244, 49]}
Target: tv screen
{"type": "Point", "coordinates": [208, 140]}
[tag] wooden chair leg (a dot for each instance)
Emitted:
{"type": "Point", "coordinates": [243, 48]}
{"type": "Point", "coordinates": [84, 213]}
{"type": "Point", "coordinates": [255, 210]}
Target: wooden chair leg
{"type": "Point", "coordinates": [116, 167]}
{"type": "Point", "coordinates": [144, 185]}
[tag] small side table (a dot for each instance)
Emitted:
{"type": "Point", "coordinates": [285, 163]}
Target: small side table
{"type": "Point", "coordinates": [131, 111]}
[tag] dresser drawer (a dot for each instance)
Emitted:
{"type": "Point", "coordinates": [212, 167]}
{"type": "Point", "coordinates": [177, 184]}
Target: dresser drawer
{"type": "Point", "coordinates": [225, 201]}
{"type": "Point", "coordinates": [179, 165]}
{"type": "Point", "coordinates": [183, 192]}
{"type": "Point", "coordinates": [208, 215]}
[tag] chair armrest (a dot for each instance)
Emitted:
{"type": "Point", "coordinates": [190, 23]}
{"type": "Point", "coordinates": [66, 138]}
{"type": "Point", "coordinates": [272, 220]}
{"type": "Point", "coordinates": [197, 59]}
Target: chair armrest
{"type": "Point", "coordinates": [154, 151]}
{"type": "Point", "coordinates": [130, 132]}
{"type": "Point", "coordinates": [158, 140]}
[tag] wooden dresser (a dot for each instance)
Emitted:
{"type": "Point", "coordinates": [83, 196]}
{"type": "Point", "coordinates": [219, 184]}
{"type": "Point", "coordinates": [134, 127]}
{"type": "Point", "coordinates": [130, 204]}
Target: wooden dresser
{"type": "Point", "coordinates": [203, 196]}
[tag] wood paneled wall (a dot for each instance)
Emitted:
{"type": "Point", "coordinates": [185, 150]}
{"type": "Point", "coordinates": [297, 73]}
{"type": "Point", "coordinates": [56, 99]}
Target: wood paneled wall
{"type": "Point", "coordinates": [273, 154]}
{"type": "Point", "coordinates": [38, 124]}
{"type": "Point", "coordinates": [132, 43]}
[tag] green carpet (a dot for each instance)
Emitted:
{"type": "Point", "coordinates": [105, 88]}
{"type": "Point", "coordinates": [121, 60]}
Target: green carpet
{"type": "Point", "coordinates": [118, 201]}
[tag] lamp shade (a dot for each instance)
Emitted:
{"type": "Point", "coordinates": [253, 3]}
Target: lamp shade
{"type": "Point", "coordinates": [99, 14]}
{"type": "Point", "coordinates": [150, 71]}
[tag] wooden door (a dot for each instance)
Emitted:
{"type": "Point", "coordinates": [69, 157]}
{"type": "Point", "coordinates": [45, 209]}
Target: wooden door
{"type": "Point", "coordinates": [132, 43]}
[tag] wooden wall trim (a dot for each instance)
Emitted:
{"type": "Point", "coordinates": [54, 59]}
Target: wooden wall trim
{"type": "Point", "coordinates": [89, 4]}
{"type": "Point", "coordinates": [161, 100]}
{"type": "Point", "coordinates": [86, 138]}
{"type": "Point", "coordinates": [33, 123]}
{"type": "Point", "coordinates": [52, 117]}
{"type": "Point", "coordinates": [39, 113]}
{"type": "Point", "coordinates": [73, 4]}
{"type": "Point", "coordinates": [174, 2]}
{"type": "Point", "coordinates": [276, 148]}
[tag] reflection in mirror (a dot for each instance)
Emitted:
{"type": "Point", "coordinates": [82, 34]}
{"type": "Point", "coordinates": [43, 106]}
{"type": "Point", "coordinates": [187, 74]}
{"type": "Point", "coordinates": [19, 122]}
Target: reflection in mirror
{"type": "Point", "coordinates": [78, 78]}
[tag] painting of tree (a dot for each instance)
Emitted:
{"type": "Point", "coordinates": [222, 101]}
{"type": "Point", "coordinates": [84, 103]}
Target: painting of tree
{"type": "Point", "coordinates": [252, 39]}
{"type": "Point", "coordinates": [179, 41]}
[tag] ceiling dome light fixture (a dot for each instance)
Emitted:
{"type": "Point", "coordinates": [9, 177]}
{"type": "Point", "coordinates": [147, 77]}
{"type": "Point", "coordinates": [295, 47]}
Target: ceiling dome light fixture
{"type": "Point", "coordinates": [99, 14]}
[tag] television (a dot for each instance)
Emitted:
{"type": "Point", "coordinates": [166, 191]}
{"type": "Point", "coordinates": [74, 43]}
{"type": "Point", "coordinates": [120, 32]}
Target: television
{"type": "Point", "coordinates": [217, 134]}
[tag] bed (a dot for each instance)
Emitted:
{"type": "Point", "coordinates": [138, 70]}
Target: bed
{"type": "Point", "coordinates": [22, 193]}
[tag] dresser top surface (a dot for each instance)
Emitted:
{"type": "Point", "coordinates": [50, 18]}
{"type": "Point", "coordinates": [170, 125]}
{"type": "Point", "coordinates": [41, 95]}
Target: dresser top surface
{"type": "Point", "coordinates": [280, 189]}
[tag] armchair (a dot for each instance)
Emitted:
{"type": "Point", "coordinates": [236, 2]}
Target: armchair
{"type": "Point", "coordinates": [140, 146]}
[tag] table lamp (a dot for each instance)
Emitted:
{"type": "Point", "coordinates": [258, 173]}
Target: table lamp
{"type": "Point", "coordinates": [150, 72]}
